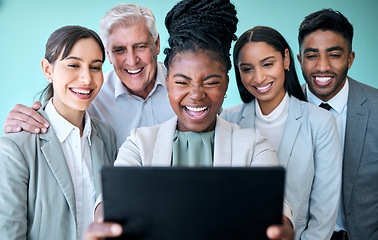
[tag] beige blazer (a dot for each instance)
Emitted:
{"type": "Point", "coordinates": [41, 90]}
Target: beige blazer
{"type": "Point", "coordinates": [233, 146]}
{"type": "Point", "coordinates": [37, 199]}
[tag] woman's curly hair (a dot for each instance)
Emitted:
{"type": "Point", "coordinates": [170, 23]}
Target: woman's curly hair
{"type": "Point", "coordinates": [195, 25]}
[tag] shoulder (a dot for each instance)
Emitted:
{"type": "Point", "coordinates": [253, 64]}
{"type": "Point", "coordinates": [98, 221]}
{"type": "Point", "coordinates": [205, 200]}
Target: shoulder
{"type": "Point", "coordinates": [310, 111]}
{"type": "Point", "coordinates": [149, 134]}
{"type": "Point", "coordinates": [370, 92]}
{"type": "Point", "coordinates": [235, 113]}
{"type": "Point", "coordinates": [242, 135]}
{"type": "Point", "coordinates": [18, 139]}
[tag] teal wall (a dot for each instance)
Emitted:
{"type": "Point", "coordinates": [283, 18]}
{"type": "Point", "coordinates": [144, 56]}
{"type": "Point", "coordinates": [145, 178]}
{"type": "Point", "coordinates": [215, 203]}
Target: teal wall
{"type": "Point", "coordinates": [25, 26]}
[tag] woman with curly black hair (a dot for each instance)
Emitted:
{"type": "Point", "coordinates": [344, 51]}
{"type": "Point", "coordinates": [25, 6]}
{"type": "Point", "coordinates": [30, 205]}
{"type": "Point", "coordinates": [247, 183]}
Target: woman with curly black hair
{"type": "Point", "coordinates": [198, 62]}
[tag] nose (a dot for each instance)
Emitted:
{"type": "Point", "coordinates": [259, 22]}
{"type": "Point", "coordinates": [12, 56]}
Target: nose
{"type": "Point", "coordinates": [132, 58]}
{"type": "Point", "coordinates": [260, 76]}
{"type": "Point", "coordinates": [85, 76]}
{"type": "Point", "coordinates": [323, 64]}
{"type": "Point", "coordinates": [196, 93]}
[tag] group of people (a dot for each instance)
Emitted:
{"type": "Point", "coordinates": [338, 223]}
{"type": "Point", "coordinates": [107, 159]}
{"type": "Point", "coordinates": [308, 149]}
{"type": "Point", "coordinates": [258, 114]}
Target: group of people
{"type": "Point", "coordinates": [146, 113]}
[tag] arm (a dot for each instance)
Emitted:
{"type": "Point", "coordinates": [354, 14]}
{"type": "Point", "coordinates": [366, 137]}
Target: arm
{"type": "Point", "coordinates": [129, 153]}
{"type": "Point", "coordinates": [14, 178]}
{"type": "Point", "coordinates": [25, 118]}
{"type": "Point", "coordinates": [325, 192]}
{"type": "Point", "coordinates": [263, 153]}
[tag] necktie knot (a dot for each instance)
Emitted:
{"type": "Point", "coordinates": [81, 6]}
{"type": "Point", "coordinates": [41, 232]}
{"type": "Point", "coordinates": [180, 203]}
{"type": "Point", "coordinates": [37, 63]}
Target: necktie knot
{"type": "Point", "coordinates": [325, 106]}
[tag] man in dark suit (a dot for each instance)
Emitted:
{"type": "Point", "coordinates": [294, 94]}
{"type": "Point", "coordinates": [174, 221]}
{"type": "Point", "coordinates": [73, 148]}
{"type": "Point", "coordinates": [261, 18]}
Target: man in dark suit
{"type": "Point", "coordinates": [325, 44]}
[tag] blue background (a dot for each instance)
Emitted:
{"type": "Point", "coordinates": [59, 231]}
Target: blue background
{"type": "Point", "coordinates": [25, 26]}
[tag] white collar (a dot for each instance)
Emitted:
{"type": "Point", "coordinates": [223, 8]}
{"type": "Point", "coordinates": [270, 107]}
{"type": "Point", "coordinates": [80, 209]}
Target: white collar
{"type": "Point", "coordinates": [338, 102]}
{"type": "Point", "coordinates": [62, 127]}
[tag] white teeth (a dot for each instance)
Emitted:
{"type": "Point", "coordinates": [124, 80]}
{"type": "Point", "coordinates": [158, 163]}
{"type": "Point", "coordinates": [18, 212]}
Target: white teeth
{"type": "Point", "coordinates": [322, 79]}
{"type": "Point", "coordinates": [134, 71]}
{"type": "Point", "coordinates": [196, 109]}
{"type": "Point", "coordinates": [80, 91]}
{"type": "Point", "coordinates": [263, 88]}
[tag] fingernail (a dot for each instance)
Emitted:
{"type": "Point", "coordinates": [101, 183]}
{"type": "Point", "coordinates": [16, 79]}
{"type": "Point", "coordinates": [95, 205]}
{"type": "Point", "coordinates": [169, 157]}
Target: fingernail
{"type": "Point", "coordinates": [46, 125]}
{"type": "Point", "coordinates": [116, 229]}
{"type": "Point", "coordinates": [44, 130]}
{"type": "Point", "coordinates": [36, 130]}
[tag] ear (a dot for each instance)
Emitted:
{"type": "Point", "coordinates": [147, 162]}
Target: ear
{"type": "Point", "coordinates": [287, 59]}
{"type": "Point", "coordinates": [351, 57]}
{"type": "Point", "coordinates": [227, 81]}
{"type": "Point", "coordinates": [299, 59]}
{"type": "Point", "coordinates": [47, 68]}
{"type": "Point", "coordinates": [108, 54]}
{"type": "Point", "coordinates": [157, 45]}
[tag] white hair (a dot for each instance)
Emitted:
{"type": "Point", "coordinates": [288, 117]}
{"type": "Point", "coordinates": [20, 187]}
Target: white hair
{"type": "Point", "coordinates": [126, 15]}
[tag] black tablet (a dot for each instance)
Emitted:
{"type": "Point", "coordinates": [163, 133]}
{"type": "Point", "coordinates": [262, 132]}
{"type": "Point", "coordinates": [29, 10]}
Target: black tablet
{"type": "Point", "coordinates": [174, 203]}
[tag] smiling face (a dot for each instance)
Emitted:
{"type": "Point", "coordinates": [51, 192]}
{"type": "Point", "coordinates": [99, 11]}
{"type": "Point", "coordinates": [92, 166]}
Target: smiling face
{"type": "Point", "coordinates": [133, 53]}
{"type": "Point", "coordinates": [325, 61]}
{"type": "Point", "coordinates": [196, 85]}
{"type": "Point", "coordinates": [76, 79]}
{"type": "Point", "coordinates": [262, 71]}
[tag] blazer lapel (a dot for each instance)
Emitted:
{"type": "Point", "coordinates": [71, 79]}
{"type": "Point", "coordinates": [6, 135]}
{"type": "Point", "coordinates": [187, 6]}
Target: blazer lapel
{"type": "Point", "coordinates": [356, 125]}
{"type": "Point", "coordinates": [98, 157]}
{"type": "Point", "coordinates": [54, 157]}
{"type": "Point", "coordinates": [163, 146]}
{"type": "Point", "coordinates": [290, 132]}
{"type": "Point", "coordinates": [222, 144]}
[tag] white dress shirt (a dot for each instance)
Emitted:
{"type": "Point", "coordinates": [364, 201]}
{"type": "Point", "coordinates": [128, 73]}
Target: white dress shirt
{"type": "Point", "coordinates": [124, 111]}
{"type": "Point", "coordinates": [76, 150]}
{"type": "Point", "coordinates": [339, 110]}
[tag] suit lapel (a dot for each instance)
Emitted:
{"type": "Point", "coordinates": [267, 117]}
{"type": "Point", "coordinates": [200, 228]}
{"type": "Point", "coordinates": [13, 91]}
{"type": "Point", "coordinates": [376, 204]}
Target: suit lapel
{"type": "Point", "coordinates": [162, 155]}
{"type": "Point", "coordinates": [98, 157]}
{"type": "Point", "coordinates": [290, 132]}
{"type": "Point", "coordinates": [222, 144]}
{"type": "Point", "coordinates": [356, 125]}
{"type": "Point", "coordinates": [56, 161]}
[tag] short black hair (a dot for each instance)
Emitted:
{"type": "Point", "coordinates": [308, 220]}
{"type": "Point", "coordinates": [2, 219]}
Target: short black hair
{"type": "Point", "coordinates": [277, 41]}
{"type": "Point", "coordinates": [326, 19]}
{"type": "Point", "coordinates": [195, 25]}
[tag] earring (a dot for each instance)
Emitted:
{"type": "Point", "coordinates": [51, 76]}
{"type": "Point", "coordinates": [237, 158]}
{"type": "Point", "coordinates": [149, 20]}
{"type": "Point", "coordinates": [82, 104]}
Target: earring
{"type": "Point", "coordinates": [49, 80]}
{"type": "Point", "coordinates": [167, 94]}
{"type": "Point", "coordinates": [287, 69]}
{"type": "Point", "coordinates": [225, 96]}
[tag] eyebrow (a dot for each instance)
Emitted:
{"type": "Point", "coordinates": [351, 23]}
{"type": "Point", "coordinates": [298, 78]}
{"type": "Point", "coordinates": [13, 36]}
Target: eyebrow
{"type": "Point", "coordinates": [79, 59]}
{"type": "Point", "coordinates": [330, 49]}
{"type": "Point", "coordinates": [188, 78]}
{"type": "Point", "coordinates": [262, 60]}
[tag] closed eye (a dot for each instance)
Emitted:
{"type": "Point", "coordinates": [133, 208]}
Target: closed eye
{"type": "Point", "coordinates": [246, 69]}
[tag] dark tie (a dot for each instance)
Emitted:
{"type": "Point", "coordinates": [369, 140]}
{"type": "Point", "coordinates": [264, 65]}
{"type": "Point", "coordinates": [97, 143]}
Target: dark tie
{"type": "Point", "coordinates": [325, 106]}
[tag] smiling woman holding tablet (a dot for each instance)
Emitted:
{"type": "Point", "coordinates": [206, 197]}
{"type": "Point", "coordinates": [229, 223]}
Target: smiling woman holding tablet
{"type": "Point", "coordinates": [198, 62]}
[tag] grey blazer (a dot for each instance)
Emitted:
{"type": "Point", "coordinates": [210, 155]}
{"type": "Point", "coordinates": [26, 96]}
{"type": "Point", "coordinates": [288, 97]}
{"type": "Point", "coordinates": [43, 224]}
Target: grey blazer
{"type": "Point", "coordinates": [360, 163]}
{"type": "Point", "coordinates": [233, 146]}
{"type": "Point", "coordinates": [310, 152]}
{"type": "Point", "coordinates": [37, 199]}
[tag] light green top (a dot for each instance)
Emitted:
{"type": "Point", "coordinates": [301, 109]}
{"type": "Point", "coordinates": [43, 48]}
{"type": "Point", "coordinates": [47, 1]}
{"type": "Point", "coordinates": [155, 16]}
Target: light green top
{"type": "Point", "coordinates": [193, 149]}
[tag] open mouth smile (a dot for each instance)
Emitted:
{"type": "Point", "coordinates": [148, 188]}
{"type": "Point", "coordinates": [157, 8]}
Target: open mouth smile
{"type": "Point", "coordinates": [196, 112]}
{"type": "Point", "coordinates": [82, 93]}
{"type": "Point", "coordinates": [263, 89]}
{"type": "Point", "coordinates": [322, 81]}
{"type": "Point", "coordinates": [134, 71]}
